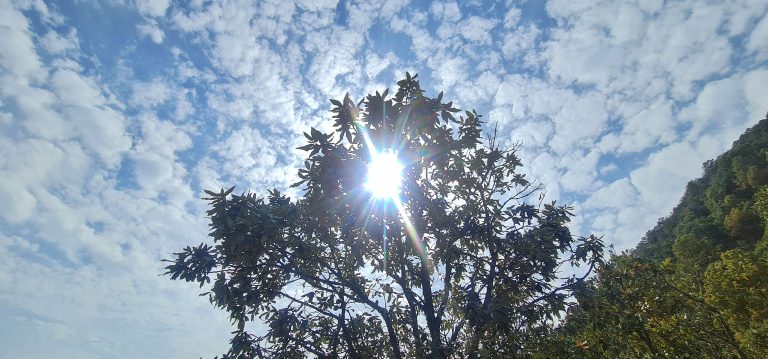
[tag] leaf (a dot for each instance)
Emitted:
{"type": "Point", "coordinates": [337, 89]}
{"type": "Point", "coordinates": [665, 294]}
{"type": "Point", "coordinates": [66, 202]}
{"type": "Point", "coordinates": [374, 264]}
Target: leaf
{"type": "Point", "coordinates": [316, 135]}
{"type": "Point", "coordinates": [305, 147]}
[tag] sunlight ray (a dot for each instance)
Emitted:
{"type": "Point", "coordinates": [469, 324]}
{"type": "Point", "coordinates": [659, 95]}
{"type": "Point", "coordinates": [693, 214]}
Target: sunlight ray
{"type": "Point", "coordinates": [410, 229]}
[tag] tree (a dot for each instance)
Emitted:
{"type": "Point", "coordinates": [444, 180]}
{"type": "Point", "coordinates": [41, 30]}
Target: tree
{"type": "Point", "coordinates": [761, 202]}
{"type": "Point", "coordinates": [738, 286]}
{"type": "Point", "coordinates": [460, 263]}
{"type": "Point", "coordinates": [744, 225]}
{"type": "Point", "coordinates": [633, 308]}
{"type": "Point", "coordinates": [695, 286]}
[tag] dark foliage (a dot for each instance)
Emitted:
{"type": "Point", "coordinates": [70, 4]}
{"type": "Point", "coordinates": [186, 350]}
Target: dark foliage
{"type": "Point", "coordinates": [466, 266]}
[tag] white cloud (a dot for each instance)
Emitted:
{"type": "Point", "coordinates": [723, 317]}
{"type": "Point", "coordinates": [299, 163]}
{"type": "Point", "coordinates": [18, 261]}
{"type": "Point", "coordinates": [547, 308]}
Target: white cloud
{"type": "Point", "coordinates": [477, 29]}
{"type": "Point", "coordinates": [316, 6]}
{"type": "Point", "coordinates": [422, 44]}
{"type": "Point", "coordinates": [100, 127]}
{"type": "Point", "coordinates": [152, 31]}
{"type": "Point", "coordinates": [207, 171]}
{"type": "Point", "coordinates": [758, 40]}
{"type": "Point", "coordinates": [448, 11]}
{"type": "Point", "coordinates": [17, 54]}
{"type": "Point", "coordinates": [150, 94]}
{"type": "Point", "coordinates": [619, 195]}
{"type": "Point", "coordinates": [334, 57]}
{"type": "Point", "coordinates": [755, 86]}
{"type": "Point", "coordinates": [23, 202]}
{"type": "Point", "coordinates": [580, 174]}
{"type": "Point", "coordinates": [55, 43]}
{"type": "Point", "coordinates": [154, 160]}
{"type": "Point", "coordinates": [650, 127]}
{"type": "Point", "coordinates": [392, 7]}
{"type": "Point", "coordinates": [5, 118]}
{"type": "Point", "coordinates": [533, 134]}
{"type": "Point", "coordinates": [719, 108]}
{"type": "Point", "coordinates": [478, 91]}
{"type": "Point", "coordinates": [85, 254]}
{"type": "Point", "coordinates": [151, 170]}
{"type": "Point", "coordinates": [154, 8]}
{"type": "Point", "coordinates": [742, 13]}
{"type": "Point", "coordinates": [184, 107]}
{"type": "Point", "coordinates": [512, 17]}
{"type": "Point", "coordinates": [374, 64]}
{"type": "Point", "coordinates": [681, 44]}
{"type": "Point", "coordinates": [662, 180]}
{"type": "Point", "coordinates": [518, 42]}
{"type": "Point", "coordinates": [257, 161]}
{"type": "Point", "coordinates": [628, 26]}
{"type": "Point", "coordinates": [449, 72]}
{"type": "Point", "coordinates": [89, 299]}
{"type": "Point", "coordinates": [579, 118]}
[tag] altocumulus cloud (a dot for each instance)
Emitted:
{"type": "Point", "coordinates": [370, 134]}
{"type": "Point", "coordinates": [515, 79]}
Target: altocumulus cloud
{"type": "Point", "coordinates": [114, 116]}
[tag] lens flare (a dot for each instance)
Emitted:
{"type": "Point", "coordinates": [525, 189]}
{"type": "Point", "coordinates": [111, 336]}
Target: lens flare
{"type": "Point", "coordinates": [384, 175]}
{"type": "Point", "coordinates": [383, 180]}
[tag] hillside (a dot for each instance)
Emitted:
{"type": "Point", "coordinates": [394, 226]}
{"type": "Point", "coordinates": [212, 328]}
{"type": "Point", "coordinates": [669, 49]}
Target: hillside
{"type": "Point", "coordinates": [717, 201]}
{"type": "Point", "coordinates": [696, 286]}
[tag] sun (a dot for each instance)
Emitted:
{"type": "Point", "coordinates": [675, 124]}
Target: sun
{"type": "Point", "coordinates": [384, 175]}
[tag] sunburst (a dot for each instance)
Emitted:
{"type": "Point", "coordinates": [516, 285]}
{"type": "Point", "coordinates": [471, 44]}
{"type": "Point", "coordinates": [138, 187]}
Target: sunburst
{"type": "Point", "coordinates": [384, 175]}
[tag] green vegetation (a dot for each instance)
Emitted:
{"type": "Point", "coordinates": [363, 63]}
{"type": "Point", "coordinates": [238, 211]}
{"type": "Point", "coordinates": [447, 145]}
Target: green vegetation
{"type": "Point", "coordinates": [697, 285]}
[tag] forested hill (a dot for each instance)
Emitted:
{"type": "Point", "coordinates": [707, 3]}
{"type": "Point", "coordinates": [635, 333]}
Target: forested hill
{"type": "Point", "coordinates": [696, 286]}
{"type": "Point", "coordinates": [717, 207]}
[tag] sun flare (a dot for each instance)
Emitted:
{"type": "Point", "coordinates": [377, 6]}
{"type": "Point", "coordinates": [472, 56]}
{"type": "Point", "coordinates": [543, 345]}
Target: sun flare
{"type": "Point", "coordinates": [384, 175]}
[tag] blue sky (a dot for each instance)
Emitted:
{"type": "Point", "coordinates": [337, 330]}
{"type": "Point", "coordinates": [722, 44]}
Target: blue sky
{"type": "Point", "coordinates": [114, 115]}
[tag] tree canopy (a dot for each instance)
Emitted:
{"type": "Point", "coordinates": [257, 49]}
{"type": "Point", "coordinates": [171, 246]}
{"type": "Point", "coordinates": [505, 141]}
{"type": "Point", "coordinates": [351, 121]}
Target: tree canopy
{"type": "Point", "coordinates": [697, 285]}
{"type": "Point", "coordinates": [463, 262]}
